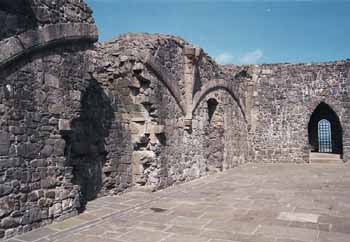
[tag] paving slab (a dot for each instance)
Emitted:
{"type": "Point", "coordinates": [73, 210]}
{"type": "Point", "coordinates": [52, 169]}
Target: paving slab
{"type": "Point", "coordinates": [250, 203]}
{"type": "Point", "coordinates": [299, 217]}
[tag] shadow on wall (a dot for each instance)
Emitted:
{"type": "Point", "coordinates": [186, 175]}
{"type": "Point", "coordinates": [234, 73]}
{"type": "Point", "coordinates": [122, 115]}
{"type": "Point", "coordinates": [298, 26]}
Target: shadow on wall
{"type": "Point", "coordinates": [16, 16]}
{"type": "Point", "coordinates": [86, 150]}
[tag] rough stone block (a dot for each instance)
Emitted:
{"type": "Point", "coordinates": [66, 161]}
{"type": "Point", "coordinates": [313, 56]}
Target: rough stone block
{"type": "Point", "coordinates": [189, 51]}
{"type": "Point", "coordinates": [9, 222]}
{"type": "Point", "coordinates": [75, 95]}
{"type": "Point", "coordinates": [51, 80]}
{"type": "Point", "coordinates": [138, 67]}
{"type": "Point", "coordinates": [142, 156]}
{"type": "Point", "coordinates": [4, 143]}
{"type": "Point", "coordinates": [158, 129]}
{"type": "Point", "coordinates": [9, 48]}
{"type": "Point", "coordinates": [50, 33]}
{"type": "Point", "coordinates": [187, 123]}
{"type": "Point", "coordinates": [48, 183]}
{"type": "Point", "coordinates": [138, 117]}
{"type": "Point", "coordinates": [64, 125]}
{"type": "Point", "coordinates": [266, 72]}
{"type": "Point", "coordinates": [154, 129]}
{"type": "Point", "coordinates": [46, 151]}
{"type": "Point", "coordinates": [30, 39]}
{"type": "Point", "coordinates": [38, 163]}
{"type": "Point", "coordinates": [59, 147]}
{"type": "Point", "coordinates": [5, 189]}
{"type": "Point", "coordinates": [134, 83]}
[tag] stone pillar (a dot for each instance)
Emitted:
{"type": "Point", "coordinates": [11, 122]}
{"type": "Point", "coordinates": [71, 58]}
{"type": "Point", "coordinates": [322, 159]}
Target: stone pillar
{"type": "Point", "coordinates": [192, 55]}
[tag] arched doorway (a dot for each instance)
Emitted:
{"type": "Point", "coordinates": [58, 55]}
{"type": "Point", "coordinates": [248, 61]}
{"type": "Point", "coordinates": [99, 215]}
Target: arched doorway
{"type": "Point", "coordinates": [325, 131]}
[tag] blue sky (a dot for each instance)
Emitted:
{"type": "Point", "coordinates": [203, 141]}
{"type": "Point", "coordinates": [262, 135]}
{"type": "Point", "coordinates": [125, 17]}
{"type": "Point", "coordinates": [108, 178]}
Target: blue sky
{"type": "Point", "coordinates": [239, 32]}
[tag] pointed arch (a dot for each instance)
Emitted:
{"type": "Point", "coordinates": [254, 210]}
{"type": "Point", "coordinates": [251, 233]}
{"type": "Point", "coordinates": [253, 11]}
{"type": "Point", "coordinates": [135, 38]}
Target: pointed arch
{"type": "Point", "coordinates": [324, 138]}
{"type": "Point", "coordinates": [218, 84]}
{"type": "Point", "coordinates": [166, 79]}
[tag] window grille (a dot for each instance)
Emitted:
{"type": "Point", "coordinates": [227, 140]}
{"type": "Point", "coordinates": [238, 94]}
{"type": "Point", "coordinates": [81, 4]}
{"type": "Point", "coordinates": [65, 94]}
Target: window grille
{"type": "Point", "coordinates": [324, 136]}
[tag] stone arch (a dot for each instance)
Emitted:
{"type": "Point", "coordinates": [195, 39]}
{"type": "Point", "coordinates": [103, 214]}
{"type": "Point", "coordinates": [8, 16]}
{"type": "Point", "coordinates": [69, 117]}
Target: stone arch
{"type": "Point", "coordinates": [46, 37]}
{"type": "Point", "coordinates": [213, 86]}
{"type": "Point", "coordinates": [324, 112]}
{"type": "Point", "coordinates": [166, 79]}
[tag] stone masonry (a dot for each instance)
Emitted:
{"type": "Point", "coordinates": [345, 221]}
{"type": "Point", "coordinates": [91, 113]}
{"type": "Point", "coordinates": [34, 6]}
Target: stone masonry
{"type": "Point", "coordinates": [81, 119]}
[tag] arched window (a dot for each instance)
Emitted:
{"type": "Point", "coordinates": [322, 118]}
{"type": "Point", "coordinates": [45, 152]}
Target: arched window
{"type": "Point", "coordinates": [324, 136]}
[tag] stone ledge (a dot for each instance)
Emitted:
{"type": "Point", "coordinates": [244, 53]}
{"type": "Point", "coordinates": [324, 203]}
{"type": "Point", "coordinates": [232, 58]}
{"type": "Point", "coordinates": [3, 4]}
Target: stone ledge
{"type": "Point", "coordinates": [17, 46]}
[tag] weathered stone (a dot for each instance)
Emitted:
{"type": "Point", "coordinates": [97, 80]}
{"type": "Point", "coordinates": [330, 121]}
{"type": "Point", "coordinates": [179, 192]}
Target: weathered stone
{"type": "Point", "coordinates": [50, 194]}
{"type": "Point", "coordinates": [59, 147]}
{"type": "Point", "coordinates": [9, 222]}
{"type": "Point", "coordinates": [4, 143]}
{"type": "Point", "coordinates": [5, 189]}
{"type": "Point", "coordinates": [138, 67]}
{"type": "Point", "coordinates": [9, 48]}
{"type": "Point", "coordinates": [33, 196]}
{"type": "Point", "coordinates": [47, 151]}
{"type": "Point", "coordinates": [31, 215]}
{"type": "Point", "coordinates": [48, 183]}
{"type": "Point", "coordinates": [52, 81]}
{"type": "Point", "coordinates": [64, 125]}
{"type": "Point", "coordinates": [38, 163]}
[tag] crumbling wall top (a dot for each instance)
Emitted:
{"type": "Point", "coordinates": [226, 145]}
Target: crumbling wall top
{"type": "Point", "coordinates": [27, 25]}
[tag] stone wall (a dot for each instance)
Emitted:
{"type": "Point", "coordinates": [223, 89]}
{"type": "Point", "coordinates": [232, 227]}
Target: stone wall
{"type": "Point", "coordinates": [15, 18]}
{"type": "Point", "coordinates": [45, 97]}
{"type": "Point", "coordinates": [38, 99]}
{"type": "Point", "coordinates": [155, 78]}
{"type": "Point", "coordinates": [18, 16]}
{"type": "Point", "coordinates": [284, 97]}
{"type": "Point", "coordinates": [80, 120]}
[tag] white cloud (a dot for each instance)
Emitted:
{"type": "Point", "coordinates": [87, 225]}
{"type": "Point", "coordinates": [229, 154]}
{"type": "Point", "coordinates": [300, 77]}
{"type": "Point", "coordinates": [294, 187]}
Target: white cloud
{"type": "Point", "coordinates": [224, 58]}
{"type": "Point", "coordinates": [251, 57]}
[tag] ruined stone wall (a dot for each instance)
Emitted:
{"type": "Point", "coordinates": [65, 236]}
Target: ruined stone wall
{"type": "Point", "coordinates": [18, 16]}
{"type": "Point", "coordinates": [146, 105]}
{"type": "Point", "coordinates": [44, 89]}
{"type": "Point", "coordinates": [284, 97]}
{"type": "Point", "coordinates": [150, 76]}
{"type": "Point", "coordinates": [38, 99]}
{"type": "Point", "coordinates": [78, 120]}
{"type": "Point", "coordinates": [224, 134]}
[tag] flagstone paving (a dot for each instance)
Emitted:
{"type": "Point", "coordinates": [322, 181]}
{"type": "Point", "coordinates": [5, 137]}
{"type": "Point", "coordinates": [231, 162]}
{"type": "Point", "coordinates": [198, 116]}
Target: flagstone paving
{"type": "Point", "coordinates": [251, 203]}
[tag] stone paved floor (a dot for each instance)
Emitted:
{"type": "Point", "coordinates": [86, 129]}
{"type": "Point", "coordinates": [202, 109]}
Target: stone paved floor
{"type": "Point", "coordinates": [252, 203]}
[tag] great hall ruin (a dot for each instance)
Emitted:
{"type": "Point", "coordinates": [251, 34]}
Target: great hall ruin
{"type": "Point", "coordinates": [81, 119]}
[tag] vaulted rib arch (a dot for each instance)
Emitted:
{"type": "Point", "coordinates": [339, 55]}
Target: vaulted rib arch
{"type": "Point", "coordinates": [166, 78]}
{"type": "Point", "coordinates": [219, 84]}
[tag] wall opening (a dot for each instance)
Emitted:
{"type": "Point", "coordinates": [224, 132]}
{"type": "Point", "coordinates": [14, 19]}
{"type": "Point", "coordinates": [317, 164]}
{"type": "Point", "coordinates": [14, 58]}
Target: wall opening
{"type": "Point", "coordinates": [214, 136]}
{"type": "Point", "coordinates": [212, 104]}
{"type": "Point", "coordinates": [325, 131]}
